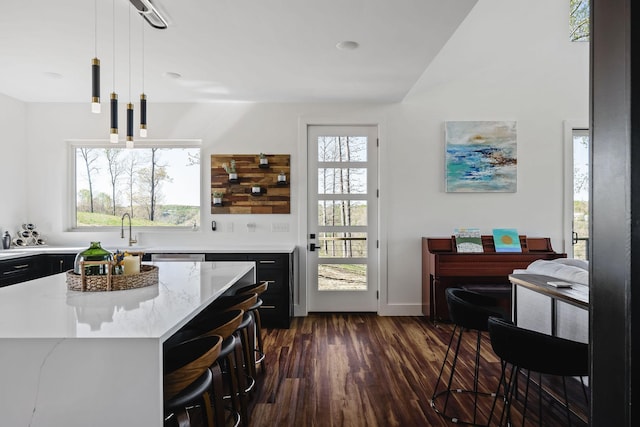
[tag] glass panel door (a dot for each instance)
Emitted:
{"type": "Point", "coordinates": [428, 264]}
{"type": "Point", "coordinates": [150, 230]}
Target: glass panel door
{"type": "Point", "coordinates": [342, 218]}
{"type": "Point", "coordinates": [580, 228]}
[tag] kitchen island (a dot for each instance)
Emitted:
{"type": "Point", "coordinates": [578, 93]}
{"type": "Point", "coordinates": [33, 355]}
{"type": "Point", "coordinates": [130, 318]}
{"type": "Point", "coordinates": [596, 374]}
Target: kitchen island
{"type": "Point", "coordinates": [72, 358]}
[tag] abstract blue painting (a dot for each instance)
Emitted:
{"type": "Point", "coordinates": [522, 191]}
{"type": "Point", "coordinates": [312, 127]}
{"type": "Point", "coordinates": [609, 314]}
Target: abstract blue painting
{"type": "Point", "coordinates": [480, 156]}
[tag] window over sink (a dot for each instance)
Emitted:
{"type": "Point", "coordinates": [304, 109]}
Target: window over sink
{"type": "Point", "coordinates": [157, 183]}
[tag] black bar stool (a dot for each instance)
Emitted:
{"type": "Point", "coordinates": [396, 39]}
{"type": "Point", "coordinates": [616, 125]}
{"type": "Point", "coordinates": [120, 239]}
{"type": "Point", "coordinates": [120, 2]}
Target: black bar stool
{"type": "Point", "coordinates": [469, 311]}
{"type": "Point", "coordinates": [231, 358]}
{"type": "Point", "coordinates": [533, 351]}
{"type": "Point", "coordinates": [258, 288]}
{"type": "Point", "coordinates": [187, 379]}
{"type": "Point", "coordinates": [246, 331]}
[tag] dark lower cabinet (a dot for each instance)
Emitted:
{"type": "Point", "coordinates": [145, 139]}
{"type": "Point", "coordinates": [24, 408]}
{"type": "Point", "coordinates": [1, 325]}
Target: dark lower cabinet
{"type": "Point", "coordinates": [58, 263]}
{"type": "Point", "coordinates": [18, 270]}
{"type": "Point", "coordinates": [277, 269]}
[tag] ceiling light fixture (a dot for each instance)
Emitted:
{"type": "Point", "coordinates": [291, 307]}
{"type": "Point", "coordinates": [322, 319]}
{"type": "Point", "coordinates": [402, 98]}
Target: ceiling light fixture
{"type": "Point", "coordinates": [113, 135]}
{"type": "Point", "coordinates": [347, 45]}
{"type": "Point", "coordinates": [150, 13]}
{"type": "Point", "coordinates": [95, 65]}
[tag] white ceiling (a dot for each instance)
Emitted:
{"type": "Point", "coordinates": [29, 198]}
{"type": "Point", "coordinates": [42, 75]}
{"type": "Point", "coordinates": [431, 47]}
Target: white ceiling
{"type": "Point", "coordinates": [225, 50]}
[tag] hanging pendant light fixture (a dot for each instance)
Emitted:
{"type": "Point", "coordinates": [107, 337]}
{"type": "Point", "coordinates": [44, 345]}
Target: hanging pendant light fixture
{"type": "Point", "coordinates": [113, 136]}
{"type": "Point", "coordinates": [95, 67]}
{"type": "Point", "coordinates": [143, 97]}
{"type": "Point", "coordinates": [129, 125]}
{"type": "Point", "coordinates": [129, 142]}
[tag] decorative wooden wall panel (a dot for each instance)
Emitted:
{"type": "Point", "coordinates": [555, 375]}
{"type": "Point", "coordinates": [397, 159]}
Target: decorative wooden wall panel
{"type": "Point", "coordinates": [237, 198]}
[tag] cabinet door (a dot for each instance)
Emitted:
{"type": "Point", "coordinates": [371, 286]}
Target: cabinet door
{"type": "Point", "coordinates": [58, 263]}
{"type": "Point", "coordinates": [277, 309]}
{"type": "Point", "coordinates": [19, 270]}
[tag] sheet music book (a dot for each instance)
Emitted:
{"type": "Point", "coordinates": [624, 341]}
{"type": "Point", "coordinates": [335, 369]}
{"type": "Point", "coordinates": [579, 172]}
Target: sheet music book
{"type": "Point", "coordinates": [468, 240]}
{"type": "Point", "coordinates": [506, 240]}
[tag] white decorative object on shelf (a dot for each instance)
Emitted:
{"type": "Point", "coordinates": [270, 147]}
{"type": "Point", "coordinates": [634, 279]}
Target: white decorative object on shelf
{"type": "Point", "coordinates": [28, 236]}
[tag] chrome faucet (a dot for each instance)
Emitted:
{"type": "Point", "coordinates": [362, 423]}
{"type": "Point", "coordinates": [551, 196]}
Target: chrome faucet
{"type": "Point", "coordinates": [131, 240]}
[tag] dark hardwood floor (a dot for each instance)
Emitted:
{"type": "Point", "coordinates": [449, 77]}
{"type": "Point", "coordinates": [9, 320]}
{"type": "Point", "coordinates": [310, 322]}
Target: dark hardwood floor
{"type": "Point", "coordinates": [363, 370]}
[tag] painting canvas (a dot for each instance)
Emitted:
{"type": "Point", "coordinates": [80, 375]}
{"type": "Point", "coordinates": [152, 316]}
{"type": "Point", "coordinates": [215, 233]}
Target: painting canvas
{"type": "Point", "coordinates": [506, 240]}
{"type": "Point", "coordinates": [480, 156]}
{"type": "Point", "coordinates": [468, 240]}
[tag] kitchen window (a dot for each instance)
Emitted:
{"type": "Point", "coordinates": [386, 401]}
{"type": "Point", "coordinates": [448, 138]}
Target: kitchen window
{"type": "Point", "coordinates": [156, 183]}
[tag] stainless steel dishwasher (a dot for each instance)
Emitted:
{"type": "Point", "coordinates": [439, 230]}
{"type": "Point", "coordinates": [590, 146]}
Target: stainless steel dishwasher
{"type": "Point", "coordinates": [177, 257]}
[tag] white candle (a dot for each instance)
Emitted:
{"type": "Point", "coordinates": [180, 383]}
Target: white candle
{"type": "Point", "coordinates": [131, 265]}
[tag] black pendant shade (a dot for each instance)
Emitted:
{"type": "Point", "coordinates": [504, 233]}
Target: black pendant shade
{"type": "Point", "coordinates": [95, 85]}
{"type": "Point", "coordinates": [114, 118]}
{"type": "Point", "coordinates": [129, 123]}
{"type": "Point", "coordinates": [143, 115]}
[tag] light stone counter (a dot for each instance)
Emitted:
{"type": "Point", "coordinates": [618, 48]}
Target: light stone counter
{"type": "Point", "coordinates": [95, 359]}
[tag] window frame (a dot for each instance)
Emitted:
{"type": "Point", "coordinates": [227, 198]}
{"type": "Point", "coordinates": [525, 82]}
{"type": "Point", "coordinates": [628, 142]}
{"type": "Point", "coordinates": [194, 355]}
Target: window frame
{"type": "Point", "coordinates": [71, 207]}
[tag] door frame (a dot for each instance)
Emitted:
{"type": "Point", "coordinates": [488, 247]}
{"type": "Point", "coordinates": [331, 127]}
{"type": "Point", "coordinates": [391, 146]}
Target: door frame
{"type": "Point", "coordinates": [567, 202]}
{"type": "Point", "coordinates": [301, 294]}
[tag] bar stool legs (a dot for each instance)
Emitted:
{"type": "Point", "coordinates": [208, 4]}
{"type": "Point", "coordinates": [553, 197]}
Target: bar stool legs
{"type": "Point", "coordinates": [530, 351]}
{"type": "Point", "coordinates": [469, 311]}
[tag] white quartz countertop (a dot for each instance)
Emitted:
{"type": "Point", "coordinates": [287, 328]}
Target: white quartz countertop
{"type": "Point", "coordinates": [37, 250]}
{"type": "Point", "coordinates": [44, 308]}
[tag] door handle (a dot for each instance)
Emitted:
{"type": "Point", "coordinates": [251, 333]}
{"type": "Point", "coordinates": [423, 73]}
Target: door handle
{"type": "Point", "coordinates": [312, 247]}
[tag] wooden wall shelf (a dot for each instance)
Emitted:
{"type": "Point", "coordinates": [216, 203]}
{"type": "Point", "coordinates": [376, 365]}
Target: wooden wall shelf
{"type": "Point", "coordinates": [238, 199]}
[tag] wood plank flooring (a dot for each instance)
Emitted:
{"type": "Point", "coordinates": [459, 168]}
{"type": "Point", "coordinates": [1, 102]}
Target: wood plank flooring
{"type": "Point", "coordinates": [362, 370]}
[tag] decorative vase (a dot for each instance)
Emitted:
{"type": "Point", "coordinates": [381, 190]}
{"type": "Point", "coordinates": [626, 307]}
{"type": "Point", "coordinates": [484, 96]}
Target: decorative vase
{"type": "Point", "coordinates": [6, 240]}
{"type": "Point", "coordinates": [264, 161]}
{"type": "Point", "coordinates": [94, 253]}
{"type": "Point", "coordinates": [217, 201]}
{"type": "Point", "coordinates": [233, 176]}
{"type": "Point", "coordinates": [282, 178]}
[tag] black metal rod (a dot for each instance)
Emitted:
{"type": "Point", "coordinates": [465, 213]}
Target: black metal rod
{"type": "Point", "coordinates": [114, 112]}
{"type": "Point", "coordinates": [129, 122]}
{"type": "Point", "coordinates": [95, 80]}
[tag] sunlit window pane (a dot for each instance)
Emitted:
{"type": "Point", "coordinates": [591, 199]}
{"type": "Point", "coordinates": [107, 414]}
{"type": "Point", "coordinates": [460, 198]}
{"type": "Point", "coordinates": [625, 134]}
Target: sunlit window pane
{"type": "Point", "coordinates": [342, 277]}
{"type": "Point", "coordinates": [342, 245]}
{"type": "Point", "coordinates": [342, 212]}
{"type": "Point", "coordinates": [342, 149]}
{"type": "Point", "coordinates": [156, 186]}
{"type": "Point", "coordinates": [342, 181]}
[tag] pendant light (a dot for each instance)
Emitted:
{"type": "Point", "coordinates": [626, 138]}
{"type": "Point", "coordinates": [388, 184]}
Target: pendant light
{"type": "Point", "coordinates": [129, 142]}
{"type": "Point", "coordinates": [143, 97]}
{"type": "Point", "coordinates": [95, 67]}
{"type": "Point", "coordinates": [113, 136]}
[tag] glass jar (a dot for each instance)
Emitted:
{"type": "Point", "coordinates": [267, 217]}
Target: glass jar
{"type": "Point", "coordinates": [93, 253]}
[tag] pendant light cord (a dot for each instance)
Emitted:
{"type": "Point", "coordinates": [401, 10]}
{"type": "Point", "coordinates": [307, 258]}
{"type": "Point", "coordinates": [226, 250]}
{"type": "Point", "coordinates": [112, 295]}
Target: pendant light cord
{"type": "Point", "coordinates": [95, 28]}
{"type": "Point", "coordinates": [113, 2]}
{"type": "Point", "coordinates": [130, 52]}
{"type": "Point", "coordinates": [142, 38]}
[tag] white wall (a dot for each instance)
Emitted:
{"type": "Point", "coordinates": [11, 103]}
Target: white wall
{"type": "Point", "coordinates": [509, 60]}
{"type": "Point", "coordinates": [15, 164]}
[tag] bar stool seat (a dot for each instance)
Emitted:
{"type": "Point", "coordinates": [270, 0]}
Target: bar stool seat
{"type": "Point", "coordinates": [469, 311]}
{"type": "Point", "coordinates": [533, 351]}
{"type": "Point", "coordinates": [231, 358]}
{"type": "Point", "coordinates": [257, 288]}
{"type": "Point", "coordinates": [187, 379]}
{"type": "Point", "coordinates": [246, 331]}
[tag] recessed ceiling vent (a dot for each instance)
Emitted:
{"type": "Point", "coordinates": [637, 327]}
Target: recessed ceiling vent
{"type": "Point", "coordinates": [150, 13]}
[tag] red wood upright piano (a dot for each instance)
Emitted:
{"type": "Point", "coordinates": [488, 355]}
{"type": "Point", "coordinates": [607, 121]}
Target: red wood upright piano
{"type": "Point", "coordinates": [443, 267]}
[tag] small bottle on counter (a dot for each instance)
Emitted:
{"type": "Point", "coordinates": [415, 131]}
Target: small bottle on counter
{"type": "Point", "coordinates": [6, 240]}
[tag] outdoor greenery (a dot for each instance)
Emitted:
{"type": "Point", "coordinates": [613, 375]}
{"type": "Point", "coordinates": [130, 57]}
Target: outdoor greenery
{"type": "Point", "coordinates": [112, 181]}
{"type": "Point", "coordinates": [579, 20]}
